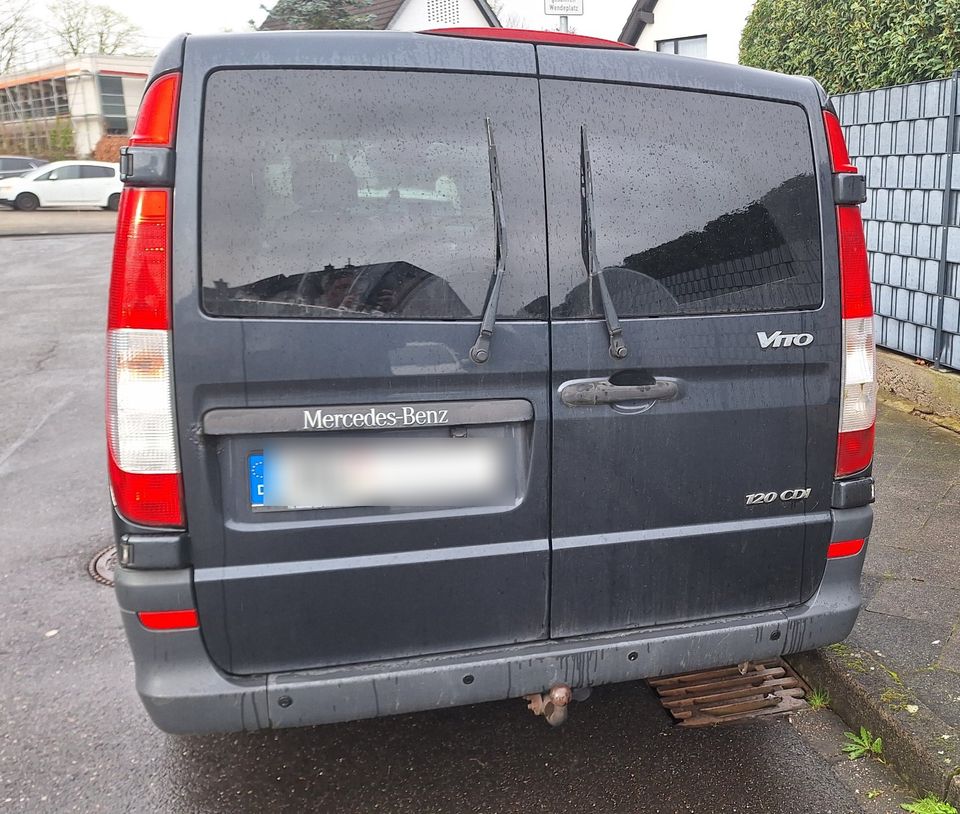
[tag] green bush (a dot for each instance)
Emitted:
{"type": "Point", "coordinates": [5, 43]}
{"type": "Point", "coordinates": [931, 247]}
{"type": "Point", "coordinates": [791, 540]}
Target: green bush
{"type": "Point", "coordinates": [854, 44]}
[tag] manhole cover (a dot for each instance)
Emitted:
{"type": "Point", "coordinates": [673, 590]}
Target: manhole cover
{"type": "Point", "coordinates": [102, 566]}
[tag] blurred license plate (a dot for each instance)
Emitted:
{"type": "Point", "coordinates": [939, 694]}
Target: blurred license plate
{"type": "Point", "coordinates": [390, 472]}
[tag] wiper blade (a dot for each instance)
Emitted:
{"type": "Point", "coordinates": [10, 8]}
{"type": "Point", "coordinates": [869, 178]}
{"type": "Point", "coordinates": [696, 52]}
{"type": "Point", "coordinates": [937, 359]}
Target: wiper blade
{"type": "Point", "coordinates": [480, 351]}
{"type": "Point", "coordinates": [588, 247]}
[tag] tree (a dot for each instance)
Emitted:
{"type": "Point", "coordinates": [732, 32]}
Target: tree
{"type": "Point", "coordinates": [854, 44]}
{"type": "Point", "coordinates": [16, 27]}
{"type": "Point", "coordinates": [318, 14]}
{"type": "Point", "coordinates": [82, 28]}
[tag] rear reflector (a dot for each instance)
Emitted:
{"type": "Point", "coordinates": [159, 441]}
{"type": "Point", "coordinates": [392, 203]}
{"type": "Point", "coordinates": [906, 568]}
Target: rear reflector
{"type": "Point", "coordinates": [157, 118]}
{"type": "Point", "coordinates": [526, 35]}
{"type": "Point", "coordinates": [141, 433]}
{"type": "Point", "coordinates": [169, 620]}
{"type": "Point", "coordinates": [839, 156]}
{"type": "Point", "coordinates": [847, 548]}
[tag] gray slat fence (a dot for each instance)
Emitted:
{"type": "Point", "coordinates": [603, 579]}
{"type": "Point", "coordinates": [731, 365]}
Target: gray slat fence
{"type": "Point", "coordinates": [904, 139]}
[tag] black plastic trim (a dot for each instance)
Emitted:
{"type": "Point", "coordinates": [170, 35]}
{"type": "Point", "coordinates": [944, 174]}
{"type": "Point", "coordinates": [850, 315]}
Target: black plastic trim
{"type": "Point", "coordinates": [147, 166]}
{"type": "Point", "coordinates": [154, 551]}
{"type": "Point", "coordinates": [849, 188]}
{"type": "Point", "coordinates": [849, 494]}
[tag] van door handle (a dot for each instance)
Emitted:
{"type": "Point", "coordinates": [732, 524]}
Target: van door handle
{"type": "Point", "coordinates": [601, 391]}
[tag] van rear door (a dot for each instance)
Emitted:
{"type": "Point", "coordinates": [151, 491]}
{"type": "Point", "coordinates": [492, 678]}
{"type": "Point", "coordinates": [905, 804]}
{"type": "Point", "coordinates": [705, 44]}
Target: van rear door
{"type": "Point", "coordinates": [356, 487]}
{"type": "Point", "coordinates": [691, 479]}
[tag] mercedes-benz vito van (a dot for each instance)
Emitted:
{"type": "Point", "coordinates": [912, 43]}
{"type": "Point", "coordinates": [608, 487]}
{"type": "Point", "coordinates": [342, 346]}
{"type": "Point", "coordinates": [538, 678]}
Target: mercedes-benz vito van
{"type": "Point", "coordinates": [464, 365]}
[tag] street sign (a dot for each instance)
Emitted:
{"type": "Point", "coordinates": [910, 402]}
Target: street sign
{"type": "Point", "coordinates": [565, 8]}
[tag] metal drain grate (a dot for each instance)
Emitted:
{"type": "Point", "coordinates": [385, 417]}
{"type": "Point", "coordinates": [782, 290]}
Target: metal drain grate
{"type": "Point", "coordinates": [102, 566]}
{"type": "Point", "coordinates": [727, 694]}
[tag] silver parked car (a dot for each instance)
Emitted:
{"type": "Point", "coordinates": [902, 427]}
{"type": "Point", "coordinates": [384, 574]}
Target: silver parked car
{"type": "Point", "coordinates": [14, 165]}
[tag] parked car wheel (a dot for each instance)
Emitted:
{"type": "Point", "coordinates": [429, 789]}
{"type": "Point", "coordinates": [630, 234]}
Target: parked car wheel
{"type": "Point", "coordinates": [113, 202]}
{"type": "Point", "coordinates": [26, 202]}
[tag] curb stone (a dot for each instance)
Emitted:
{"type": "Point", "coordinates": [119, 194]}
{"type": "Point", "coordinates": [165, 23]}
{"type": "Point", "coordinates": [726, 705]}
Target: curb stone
{"type": "Point", "coordinates": [912, 408]}
{"type": "Point", "coordinates": [913, 743]}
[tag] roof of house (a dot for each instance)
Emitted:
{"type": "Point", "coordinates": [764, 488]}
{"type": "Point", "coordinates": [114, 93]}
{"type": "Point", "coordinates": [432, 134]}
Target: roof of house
{"type": "Point", "coordinates": [382, 12]}
{"type": "Point", "coordinates": [637, 20]}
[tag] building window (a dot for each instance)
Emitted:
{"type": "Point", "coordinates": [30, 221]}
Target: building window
{"type": "Point", "coordinates": [34, 100]}
{"type": "Point", "coordinates": [684, 46]}
{"type": "Point", "coordinates": [112, 105]}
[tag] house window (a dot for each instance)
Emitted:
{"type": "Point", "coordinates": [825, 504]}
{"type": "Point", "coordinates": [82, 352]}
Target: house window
{"type": "Point", "coordinates": [684, 46]}
{"type": "Point", "coordinates": [113, 105]}
{"type": "Point", "coordinates": [446, 12]}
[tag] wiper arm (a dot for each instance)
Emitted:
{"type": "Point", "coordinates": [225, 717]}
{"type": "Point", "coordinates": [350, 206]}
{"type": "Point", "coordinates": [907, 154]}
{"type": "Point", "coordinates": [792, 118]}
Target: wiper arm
{"type": "Point", "coordinates": [480, 351]}
{"type": "Point", "coordinates": [588, 247]}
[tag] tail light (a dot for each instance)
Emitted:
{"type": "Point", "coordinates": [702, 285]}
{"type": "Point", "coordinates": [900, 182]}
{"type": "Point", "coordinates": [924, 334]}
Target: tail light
{"type": "Point", "coordinates": [157, 118]}
{"type": "Point", "coordinates": [141, 430]}
{"type": "Point", "coordinates": [858, 399]}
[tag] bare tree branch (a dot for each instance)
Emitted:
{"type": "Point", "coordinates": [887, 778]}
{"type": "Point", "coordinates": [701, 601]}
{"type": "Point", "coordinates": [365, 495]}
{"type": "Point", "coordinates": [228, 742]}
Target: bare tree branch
{"type": "Point", "coordinates": [82, 28]}
{"type": "Point", "coordinates": [16, 27]}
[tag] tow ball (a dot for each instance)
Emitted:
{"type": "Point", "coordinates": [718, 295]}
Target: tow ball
{"type": "Point", "coordinates": [553, 705]}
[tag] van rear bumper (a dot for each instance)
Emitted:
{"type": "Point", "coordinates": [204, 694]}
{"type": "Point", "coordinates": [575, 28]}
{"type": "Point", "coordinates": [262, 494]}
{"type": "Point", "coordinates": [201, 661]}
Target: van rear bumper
{"type": "Point", "coordinates": [185, 693]}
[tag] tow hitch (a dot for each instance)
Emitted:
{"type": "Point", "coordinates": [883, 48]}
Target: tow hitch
{"type": "Point", "coordinates": [553, 705]}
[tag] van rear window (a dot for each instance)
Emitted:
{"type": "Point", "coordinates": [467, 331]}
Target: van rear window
{"type": "Point", "coordinates": [367, 194]}
{"type": "Point", "coordinates": [703, 203]}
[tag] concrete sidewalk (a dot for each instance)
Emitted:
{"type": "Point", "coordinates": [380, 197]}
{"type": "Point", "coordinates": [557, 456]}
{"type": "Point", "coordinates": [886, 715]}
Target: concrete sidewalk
{"type": "Point", "coordinates": [61, 221]}
{"type": "Point", "coordinates": [898, 673]}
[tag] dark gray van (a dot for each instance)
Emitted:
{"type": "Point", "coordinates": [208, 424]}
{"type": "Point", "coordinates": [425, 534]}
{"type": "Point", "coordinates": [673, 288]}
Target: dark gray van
{"type": "Point", "coordinates": [470, 365]}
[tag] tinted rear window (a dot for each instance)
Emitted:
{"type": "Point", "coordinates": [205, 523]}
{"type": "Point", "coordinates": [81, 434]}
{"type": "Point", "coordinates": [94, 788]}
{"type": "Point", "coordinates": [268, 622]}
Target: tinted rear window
{"type": "Point", "coordinates": [703, 203]}
{"type": "Point", "coordinates": [367, 194]}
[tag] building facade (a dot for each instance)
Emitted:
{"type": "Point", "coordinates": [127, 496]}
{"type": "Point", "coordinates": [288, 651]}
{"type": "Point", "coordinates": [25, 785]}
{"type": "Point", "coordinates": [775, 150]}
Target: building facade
{"type": "Point", "coordinates": [698, 28]}
{"type": "Point", "coordinates": [67, 107]}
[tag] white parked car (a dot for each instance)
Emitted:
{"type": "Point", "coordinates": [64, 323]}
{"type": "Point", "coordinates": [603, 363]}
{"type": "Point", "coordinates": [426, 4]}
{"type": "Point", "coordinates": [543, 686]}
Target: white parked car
{"type": "Point", "coordinates": [64, 183]}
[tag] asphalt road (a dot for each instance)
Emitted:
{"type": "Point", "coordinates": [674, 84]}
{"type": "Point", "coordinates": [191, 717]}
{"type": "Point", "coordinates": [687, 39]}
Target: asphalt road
{"type": "Point", "coordinates": [73, 736]}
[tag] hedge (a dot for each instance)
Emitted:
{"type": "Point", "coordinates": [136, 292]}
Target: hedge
{"type": "Point", "coordinates": [854, 44]}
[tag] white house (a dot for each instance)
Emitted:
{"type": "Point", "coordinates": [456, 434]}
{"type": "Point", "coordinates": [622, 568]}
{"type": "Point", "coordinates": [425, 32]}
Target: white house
{"type": "Point", "coordinates": [698, 28]}
{"type": "Point", "coordinates": [416, 15]}
{"type": "Point", "coordinates": [95, 95]}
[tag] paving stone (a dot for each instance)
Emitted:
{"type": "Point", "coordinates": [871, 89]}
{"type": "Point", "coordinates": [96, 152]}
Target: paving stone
{"type": "Point", "coordinates": [892, 561]}
{"type": "Point", "coordinates": [919, 601]}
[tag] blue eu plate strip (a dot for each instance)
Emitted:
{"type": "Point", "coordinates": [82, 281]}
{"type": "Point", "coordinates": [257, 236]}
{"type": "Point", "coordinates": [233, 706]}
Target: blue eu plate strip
{"type": "Point", "coordinates": [257, 484]}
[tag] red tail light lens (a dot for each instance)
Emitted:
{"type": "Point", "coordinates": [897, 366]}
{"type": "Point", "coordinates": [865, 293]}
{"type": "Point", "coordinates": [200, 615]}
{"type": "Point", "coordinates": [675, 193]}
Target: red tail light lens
{"type": "Point", "coordinates": [854, 270]}
{"type": "Point", "coordinates": [139, 279]}
{"type": "Point", "coordinates": [847, 548]}
{"type": "Point", "coordinates": [169, 620]}
{"type": "Point", "coordinates": [157, 119]}
{"type": "Point", "coordinates": [838, 146]}
{"type": "Point", "coordinates": [141, 431]}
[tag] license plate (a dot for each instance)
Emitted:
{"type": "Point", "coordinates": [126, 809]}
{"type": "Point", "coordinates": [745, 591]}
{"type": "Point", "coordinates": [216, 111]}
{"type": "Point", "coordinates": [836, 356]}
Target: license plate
{"type": "Point", "coordinates": [394, 473]}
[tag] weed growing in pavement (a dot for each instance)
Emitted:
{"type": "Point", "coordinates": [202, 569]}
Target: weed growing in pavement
{"type": "Point", "coordinates": [896, 699]}
{"type": "Point", "coordinates": [873, 794]}
{"type": "Point", "coordinates": [862, 743]}
{"type": "Point", "coordinates": [929, 805]}
{"type": "Point", "coordinates": [818, 699]}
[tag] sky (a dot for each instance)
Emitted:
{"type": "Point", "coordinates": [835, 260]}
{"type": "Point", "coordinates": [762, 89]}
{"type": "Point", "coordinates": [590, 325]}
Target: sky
{"type": "Point", "coordinates": [162, 20]}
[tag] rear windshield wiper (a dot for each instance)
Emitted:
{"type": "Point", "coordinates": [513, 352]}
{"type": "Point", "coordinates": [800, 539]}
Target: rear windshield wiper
{"type": "Point", "coordinates": [480, 351]}
{"type": "Point", "coordinates": [588, 247]}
